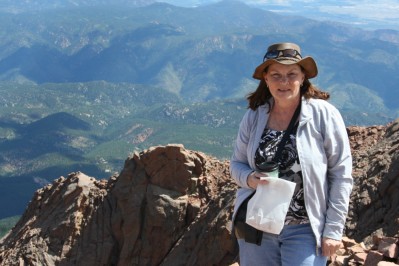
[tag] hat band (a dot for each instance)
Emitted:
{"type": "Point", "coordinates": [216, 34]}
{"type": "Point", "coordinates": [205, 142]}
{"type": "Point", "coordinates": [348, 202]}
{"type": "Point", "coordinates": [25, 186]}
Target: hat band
{"type": "Point", "coordinates": [287, 53]}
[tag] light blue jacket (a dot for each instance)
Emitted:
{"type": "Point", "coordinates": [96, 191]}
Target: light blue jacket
{"type": "Point", "coordinates": [325, 159]}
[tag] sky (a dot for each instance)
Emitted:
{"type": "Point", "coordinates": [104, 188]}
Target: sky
{"type": "Point", "coordinates": [371, 14]}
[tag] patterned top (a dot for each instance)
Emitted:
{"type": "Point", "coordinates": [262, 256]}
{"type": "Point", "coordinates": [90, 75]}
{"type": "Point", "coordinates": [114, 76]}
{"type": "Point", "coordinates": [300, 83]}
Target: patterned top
{"type": "Point", "coordinates": [289, 169]}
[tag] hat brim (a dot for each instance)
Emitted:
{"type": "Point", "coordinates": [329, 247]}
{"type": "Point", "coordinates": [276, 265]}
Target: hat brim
{"type": "Point", "coordinates": [307, 63]}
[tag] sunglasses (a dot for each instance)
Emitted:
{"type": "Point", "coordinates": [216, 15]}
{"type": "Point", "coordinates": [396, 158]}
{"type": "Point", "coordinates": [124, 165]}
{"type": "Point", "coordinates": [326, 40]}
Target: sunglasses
{"type": "Point", "coordinates": [281, 53]}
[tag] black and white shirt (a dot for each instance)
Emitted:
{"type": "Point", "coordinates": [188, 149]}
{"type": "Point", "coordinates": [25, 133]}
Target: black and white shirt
{"type": "Point", "coordinates": [289, 169]}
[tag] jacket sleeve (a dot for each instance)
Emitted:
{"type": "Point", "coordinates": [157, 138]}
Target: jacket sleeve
{"type": "Point", "coordinates": [239, 164]}
{"type": "Point", "coordinates": [339, 174]}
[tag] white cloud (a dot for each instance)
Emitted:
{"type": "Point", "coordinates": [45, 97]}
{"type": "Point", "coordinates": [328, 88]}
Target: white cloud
{"type": "Point", "coordinates": [378, 12]}
{"type": "Point", "coordinates": [370, 10]}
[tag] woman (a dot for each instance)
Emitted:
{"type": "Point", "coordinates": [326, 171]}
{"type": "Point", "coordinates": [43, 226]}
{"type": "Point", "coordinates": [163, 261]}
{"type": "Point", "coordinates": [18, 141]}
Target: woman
{"type": "Point", "coordinates": [315, 155]}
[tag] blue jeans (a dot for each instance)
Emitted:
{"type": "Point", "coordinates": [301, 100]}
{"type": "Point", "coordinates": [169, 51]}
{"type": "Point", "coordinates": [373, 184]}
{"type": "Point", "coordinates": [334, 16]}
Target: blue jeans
{"type": "Point", "coordinates": [294, 246]}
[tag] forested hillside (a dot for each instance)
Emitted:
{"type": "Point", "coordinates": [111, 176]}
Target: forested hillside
{"type": "Point", "coordinates": [53, 129]}
{"type": "Point", "coordinates": [84, 86]}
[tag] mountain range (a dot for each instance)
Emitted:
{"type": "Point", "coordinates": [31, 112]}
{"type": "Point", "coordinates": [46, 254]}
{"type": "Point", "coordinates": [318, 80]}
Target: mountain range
{"type": "Point", "coordinates": [376, 14]}
{"type": "Point", "coordinates": [83, 86]}
{"type": "Point", "coordinates": [200, 53]}
{"type": "Point", "coordinates": [366, 14]}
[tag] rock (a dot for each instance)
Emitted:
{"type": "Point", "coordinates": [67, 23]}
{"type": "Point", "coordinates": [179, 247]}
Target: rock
{"type": "Point", "coordinates": [376, 182]}
{"type": "Point", "coordinates": [347, 242]}
{"type": "Point", "coordinates": [388, 247]}
{"type": "Point", "coordinates": [173, 206]}
{"type": "Point", "coordinates": [373, 258]}
{"type": "Point", "coordinates": [384, 250]}
{"type": "Point", "coordinates": [360, 257]}
{"type": "Point", "coordinates": [386, 263]}
{"type": "Point", "coordinates": [153, 213]}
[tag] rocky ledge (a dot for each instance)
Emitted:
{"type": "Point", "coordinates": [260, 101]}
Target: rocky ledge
{"type": "Point", "coordinates": [172, 206]}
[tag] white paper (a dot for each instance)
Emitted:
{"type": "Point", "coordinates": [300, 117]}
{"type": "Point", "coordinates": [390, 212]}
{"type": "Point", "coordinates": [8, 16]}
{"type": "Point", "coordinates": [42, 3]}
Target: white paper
{"type": "Point", "coordinates": [268, 208]}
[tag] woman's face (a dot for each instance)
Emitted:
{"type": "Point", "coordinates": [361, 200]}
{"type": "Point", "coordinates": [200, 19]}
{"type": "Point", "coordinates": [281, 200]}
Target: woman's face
{"type": "Point", "coordinates": [284, 81]}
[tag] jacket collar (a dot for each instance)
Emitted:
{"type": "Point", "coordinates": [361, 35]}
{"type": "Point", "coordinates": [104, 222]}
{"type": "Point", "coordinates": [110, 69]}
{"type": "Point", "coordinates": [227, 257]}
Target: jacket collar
{"type": "Point", "coordinates": [305, 115]}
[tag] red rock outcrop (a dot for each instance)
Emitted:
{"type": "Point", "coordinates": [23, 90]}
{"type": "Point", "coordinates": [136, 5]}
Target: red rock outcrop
{"type": "Point", "coordinates": [168, 206]}
{"type": "Point", "coordinates": [375, 197]}
{"type": "Point", "coordinates": [172, 206]}
{"type": "Point", "coordinates": [383, 252]}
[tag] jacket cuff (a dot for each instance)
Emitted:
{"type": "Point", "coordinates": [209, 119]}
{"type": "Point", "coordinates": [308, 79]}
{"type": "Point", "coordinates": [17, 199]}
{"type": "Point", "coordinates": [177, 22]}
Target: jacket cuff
{"type": "Point", "coordinates": [333, 232]}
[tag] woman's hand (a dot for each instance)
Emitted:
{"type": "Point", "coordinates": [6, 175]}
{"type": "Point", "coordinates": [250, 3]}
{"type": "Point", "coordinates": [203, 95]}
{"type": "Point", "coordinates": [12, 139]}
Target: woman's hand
{"type": "Point", "coordinates": [253, 180]}
{"type": "Point", "coordinates": [329, 246]}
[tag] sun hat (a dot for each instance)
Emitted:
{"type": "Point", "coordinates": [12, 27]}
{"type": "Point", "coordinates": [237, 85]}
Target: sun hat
{"type": "Point", "coordinates": [287, 54]}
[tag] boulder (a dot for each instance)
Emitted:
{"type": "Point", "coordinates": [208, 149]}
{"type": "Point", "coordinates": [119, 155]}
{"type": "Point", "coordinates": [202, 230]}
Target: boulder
{"type": "Point", "coordinates": [173, 206]}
